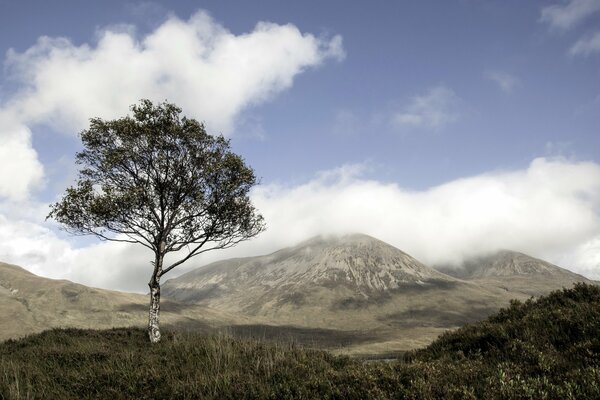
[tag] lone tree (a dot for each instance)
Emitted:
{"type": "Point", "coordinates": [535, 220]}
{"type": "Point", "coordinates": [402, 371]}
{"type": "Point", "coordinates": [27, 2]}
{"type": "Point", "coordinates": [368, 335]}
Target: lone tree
{"type": "Point", "coordinates": [160, 180]}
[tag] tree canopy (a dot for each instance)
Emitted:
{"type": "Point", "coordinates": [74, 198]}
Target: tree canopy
{"type": "Point", "coordinates": [159, 179]}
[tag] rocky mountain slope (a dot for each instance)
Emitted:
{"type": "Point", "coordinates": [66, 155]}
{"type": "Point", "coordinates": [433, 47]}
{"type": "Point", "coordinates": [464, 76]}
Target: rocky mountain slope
{"type": "Point", "coordinates": [358, 264]}
{"type": "Point", "coordinates": [356, 283]}
{"type": "Point", "coordinates": [506, 263]}
{"type": "Point", "coordinates": [515, 272]}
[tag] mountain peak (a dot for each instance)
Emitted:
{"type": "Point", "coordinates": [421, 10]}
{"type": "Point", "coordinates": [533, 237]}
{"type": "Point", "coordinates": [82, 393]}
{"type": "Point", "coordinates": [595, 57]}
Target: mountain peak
{"type": "Point", "coordinates": [349, 242]}
{"type": "Point", "coordinates": [345, 240]}
{"type": "Point", "coordinates": [504, 263]}
{"type": "Point", "coordinates": [357, 263]}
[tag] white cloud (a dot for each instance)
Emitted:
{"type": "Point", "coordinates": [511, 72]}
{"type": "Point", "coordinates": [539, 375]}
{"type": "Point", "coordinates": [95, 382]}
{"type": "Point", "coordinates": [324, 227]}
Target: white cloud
{"type": "Point", "coordinates": [210, 72]}
{"type": "Point", "coordinates": [505, 81]}
{"type": "Point", "coordinates": [551, 205]}
{"type": "Point", "coordinates": [198, 64]}
{"type": "Point", "coordinates": [432, 110]}
{"type": "Point", "coordinates": [34, 247]}
{"type": "Point", "coordinates": [568, 14]}
{"type": "Point", "coordinates": [550, 210]}
{"type": "Point", "coordinates": [586, 45]}
{"type": "Point", "coordinates": [104, 264]}
{"type": "Point", "coordinates": [585, 258]}
{"type": "Point", "coordinates": [20, 169]}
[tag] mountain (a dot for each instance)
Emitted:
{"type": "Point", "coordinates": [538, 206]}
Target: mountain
{"type": "Point", "coordinates": [353, 284]}
{"type": "Point", "coordinates": [333, 273]}
{"type": "Point", "coordinates": [506, 263]}
{"type": "Point", "coordinates": [515, 272]}
{"type": "Point", "coordinates": [29, 303]}
{"type": "Point", "coordinates": [351, 294]}
{"type": "Point", "coordinates": [359, 264]}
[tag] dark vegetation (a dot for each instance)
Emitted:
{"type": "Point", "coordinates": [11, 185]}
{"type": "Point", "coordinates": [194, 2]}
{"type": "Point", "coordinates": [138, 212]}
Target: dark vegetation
{"type": "Point", "coordinates": [429, 316]}
{"type": "Point", "coordinates": [546, 348]}
{"type": "Point", "coordinates": [314, 338]}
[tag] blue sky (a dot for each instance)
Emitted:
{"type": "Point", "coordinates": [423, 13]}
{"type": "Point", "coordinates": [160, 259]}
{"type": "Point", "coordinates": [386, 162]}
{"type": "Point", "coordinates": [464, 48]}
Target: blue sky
{"type": "Point", "coordinates": [413, 108]}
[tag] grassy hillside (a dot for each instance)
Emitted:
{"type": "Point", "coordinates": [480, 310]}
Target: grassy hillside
{"type": "Point", "coordinates": [547, 348]}
{"type": "Point", "coordinates": [30, 303]}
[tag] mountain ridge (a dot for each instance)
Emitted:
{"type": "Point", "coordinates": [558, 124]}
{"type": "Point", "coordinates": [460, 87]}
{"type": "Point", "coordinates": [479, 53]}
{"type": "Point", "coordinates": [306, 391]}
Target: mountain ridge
{"type": "Point", "coordinates": [505, 262]}
{"type": "Point", "coordinates": [359, 262]}
{"type": "Point", "coordinates": [354, 290]}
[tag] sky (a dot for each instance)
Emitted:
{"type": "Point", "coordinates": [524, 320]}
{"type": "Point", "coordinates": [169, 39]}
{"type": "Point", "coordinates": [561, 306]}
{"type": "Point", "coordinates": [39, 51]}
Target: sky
{"type": "Point", "coordinates": [448, 129]}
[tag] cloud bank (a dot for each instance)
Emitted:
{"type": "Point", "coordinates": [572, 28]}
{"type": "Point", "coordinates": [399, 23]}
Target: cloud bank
{"type": "Point", "coordinates": [198, 64]}
{"type": "Point", "coordinates": [551, 209]}
{"type": "Point", "coordinates": [553, 204]}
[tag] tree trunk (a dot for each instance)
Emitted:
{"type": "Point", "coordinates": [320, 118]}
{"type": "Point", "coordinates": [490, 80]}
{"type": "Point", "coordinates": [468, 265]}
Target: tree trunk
{"type": "Point", "coordinates": [154, 284]}
{"type": "Point", "coordinates": [153, 317]}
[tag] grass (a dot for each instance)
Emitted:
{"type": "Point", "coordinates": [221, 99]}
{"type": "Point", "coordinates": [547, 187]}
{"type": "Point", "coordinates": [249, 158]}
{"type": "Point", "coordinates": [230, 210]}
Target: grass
{"type": "Point", "coordinates": [120, 364]}
{"type": "Point", "coordinates": [546, 348]}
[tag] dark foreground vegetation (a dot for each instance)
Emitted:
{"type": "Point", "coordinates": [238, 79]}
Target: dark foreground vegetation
{"type": "Point", "coordinates": [546, 348]}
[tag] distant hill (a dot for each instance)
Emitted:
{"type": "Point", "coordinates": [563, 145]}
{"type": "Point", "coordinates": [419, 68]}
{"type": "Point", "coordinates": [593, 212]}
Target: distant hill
{"type": "Point", "coordinates": [29, 303]}
{"type": "Point", "coordinates": [507, 263]}
{"type": "Point", "coordinates": [515, 272]}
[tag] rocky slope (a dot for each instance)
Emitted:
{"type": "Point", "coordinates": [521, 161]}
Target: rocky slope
{"type": "Point", "coordinates": [358, 263]}
{"type": "Point", "coordinates": [506, 263]}
{"type": "Point", "coordinates": [515, 272]}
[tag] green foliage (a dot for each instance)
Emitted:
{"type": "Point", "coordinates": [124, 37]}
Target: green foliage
{"type": "Point", "coordinates": [563, 322]}
{"type": "Point", "coordinates": [540, 349]}
{"type": "Point", "coordinates": [161, 180]}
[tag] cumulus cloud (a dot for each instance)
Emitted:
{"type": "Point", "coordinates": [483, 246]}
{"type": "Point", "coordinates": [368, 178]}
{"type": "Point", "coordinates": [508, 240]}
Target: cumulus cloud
{"type": "Point", "coordinates": [551, 209]}
{"type": "Point", "coordinates": [20, 169]}
{"type": "Point", "coordinates": [505, 81]}
{"type": "Point", "coordinates": [210, 72]}
{"type": "Point", "coordinates": [433, 110]}
{"type": "Point", "coordinates": [585, 258]}
{"type": "Point", "coordinates": [37, 248]}
{"type": "Point", "coordinates": [568, 14]}
{"type": "Point", "coordinates": [34, 247]}
{"type": "Point", "coordinates": [586, 45]}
